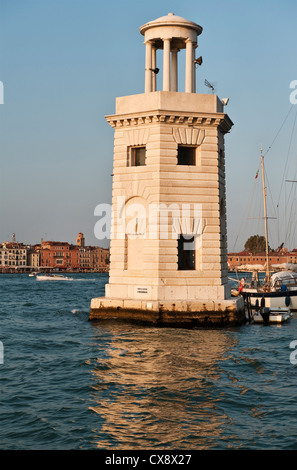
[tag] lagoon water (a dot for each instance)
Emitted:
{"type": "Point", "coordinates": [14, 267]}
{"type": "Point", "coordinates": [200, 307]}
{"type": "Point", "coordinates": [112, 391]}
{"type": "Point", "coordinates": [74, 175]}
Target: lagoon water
{"type": "Point", "coordinates": [68, 383]}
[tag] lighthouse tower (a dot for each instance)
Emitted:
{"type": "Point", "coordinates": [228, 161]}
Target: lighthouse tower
{"type": "Point", "coordinates": [168, 262]}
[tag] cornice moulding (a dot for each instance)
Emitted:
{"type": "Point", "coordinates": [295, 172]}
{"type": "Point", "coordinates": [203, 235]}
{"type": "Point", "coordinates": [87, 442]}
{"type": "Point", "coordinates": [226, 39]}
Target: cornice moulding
{"type": "Point", "coordinates": [220, 120]}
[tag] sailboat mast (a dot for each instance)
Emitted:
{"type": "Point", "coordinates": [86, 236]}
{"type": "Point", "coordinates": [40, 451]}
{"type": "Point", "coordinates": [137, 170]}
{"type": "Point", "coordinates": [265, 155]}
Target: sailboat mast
{"type": "Point", "coordinates": [265, 219]}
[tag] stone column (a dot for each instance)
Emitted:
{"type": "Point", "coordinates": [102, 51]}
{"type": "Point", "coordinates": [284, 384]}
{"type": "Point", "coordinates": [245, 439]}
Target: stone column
{"type": "Point", "coordinates": [166, 64]}
{"type": "Point", "coordinates": [148, 67]}
{"type": "Point", "coordinates": [174, 83]}
{"type": "Point", "coordinates": [194, 71]}
{"type": "Point", "coordinates": [154, 64]}
{"type": "Point", "coordinates": [189, 67]}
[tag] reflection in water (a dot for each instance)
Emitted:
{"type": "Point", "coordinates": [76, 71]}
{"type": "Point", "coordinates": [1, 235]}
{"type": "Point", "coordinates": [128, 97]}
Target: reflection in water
{"type": "Point", "coordinates": [158, 387]}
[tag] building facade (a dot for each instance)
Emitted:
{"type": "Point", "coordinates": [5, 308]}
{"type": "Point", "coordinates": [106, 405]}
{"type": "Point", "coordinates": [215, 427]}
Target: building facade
{"type": "Point", "coordinates": [246, 260]}
{"type": "Point", "coordinates": [54, 256]}
{"type": "Point", "coordinates": [64, 256]}
{"type": "Point", "coordinates": [99, 259]}
{"type": "Point", "coordinates": [13, 255]}
{"type": "Point", "coordinates": [33, 258]}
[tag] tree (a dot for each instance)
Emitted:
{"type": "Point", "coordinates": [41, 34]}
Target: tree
{"type": "Point", "coordinates": [255, 244]}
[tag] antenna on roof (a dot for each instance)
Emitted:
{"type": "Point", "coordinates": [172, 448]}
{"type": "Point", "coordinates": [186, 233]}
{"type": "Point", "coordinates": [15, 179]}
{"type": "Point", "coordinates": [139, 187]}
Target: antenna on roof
{"type": "Point", "coordinates": [209, 85]}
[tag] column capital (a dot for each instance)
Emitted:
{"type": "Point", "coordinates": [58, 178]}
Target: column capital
{"type": "Point", "coordinates": [166, 40]}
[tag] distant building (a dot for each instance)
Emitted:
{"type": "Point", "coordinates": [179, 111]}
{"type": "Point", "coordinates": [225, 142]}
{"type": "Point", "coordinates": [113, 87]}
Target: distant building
{"type": "Point", "coordinates": [245, 259]}
{"type": "Point", "coordinates": [93, 258]}
{"type": "Point", "coordinates": [80, 241]}
{"type": "Point", "coordinates": [85, 258]}
{"type": "Point", "coordinates": [33, 257]}
{"type": "Point", "coordinates": [74, 257]}
{"type": "Point", "coordinates": [13, 255]}
{"type": "Point", "coordinates": [64, 256]}
{"type": "Point", "coordinates": [99, 259]}
{"type": "Point", "coordinates": [54, 255]}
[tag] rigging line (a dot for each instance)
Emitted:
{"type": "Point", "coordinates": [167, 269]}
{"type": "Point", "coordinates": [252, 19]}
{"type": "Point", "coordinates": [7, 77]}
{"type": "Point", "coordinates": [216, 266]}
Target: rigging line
{"type": "Point", "coordinates": [288, 219]}
{"type": "Point", "coordinates": [291, 215]}
{"type": "Point", "coordinates": [243, 226]}
{"type": "Point", "coordinates": [268, 186]}
{"type": "Point", "coordinates": [279, 130]}
{"type": "Point", "coordinates": [292, 190]}
{"type": "Point", "coordinates": [289, 224]}
{"type": "Point", "coordinates": [278, 237]}
{"type": "Point", "coordinates": [294, 230]}
{"type": "Point", "coordinates": [290, 143]}
{"type": "Point", "coordinates": [259, 208]}
{"type": "Point", "coordinates": [244, 215]}
{"type": "Point", "coordinates": [260, 225]}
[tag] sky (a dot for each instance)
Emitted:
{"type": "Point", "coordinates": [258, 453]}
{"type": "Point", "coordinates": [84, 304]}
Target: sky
{"type": "Point", "coordinates": [63, 63]}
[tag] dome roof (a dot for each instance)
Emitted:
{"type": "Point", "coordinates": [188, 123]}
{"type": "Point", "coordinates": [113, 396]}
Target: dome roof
{"type": "Point", "coordinates": [171, 20]}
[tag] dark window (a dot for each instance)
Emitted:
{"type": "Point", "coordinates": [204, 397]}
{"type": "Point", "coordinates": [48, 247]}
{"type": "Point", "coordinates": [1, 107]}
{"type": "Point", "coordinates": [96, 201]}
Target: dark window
{"type": "Point", "coordinates": [186, 155]}
{"type": "Point", "coordinates": [186, 253]}
{"type": "Point", "coordinates": [137, 156]}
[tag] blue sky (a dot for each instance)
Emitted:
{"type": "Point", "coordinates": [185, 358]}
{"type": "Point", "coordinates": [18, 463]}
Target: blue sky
{"type": "Point", "coordinates": [63, 63]}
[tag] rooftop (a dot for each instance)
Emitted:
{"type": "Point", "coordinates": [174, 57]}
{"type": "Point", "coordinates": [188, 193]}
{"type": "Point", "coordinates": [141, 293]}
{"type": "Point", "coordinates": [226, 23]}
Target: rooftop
{"type": "Point", "coordinates": [171, 20]}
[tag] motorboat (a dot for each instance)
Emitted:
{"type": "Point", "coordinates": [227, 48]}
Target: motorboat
{"type": "Point", "coordinates": [273, 315]}
{"type": "Point", "coordinates": [53, 277]}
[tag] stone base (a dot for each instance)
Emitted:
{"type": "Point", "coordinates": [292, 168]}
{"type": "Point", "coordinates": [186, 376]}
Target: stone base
{"type": "Point", "coordinates": [187, 313]}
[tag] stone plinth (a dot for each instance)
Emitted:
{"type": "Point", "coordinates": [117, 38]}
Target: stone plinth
{"type": "Point", "coordinates": [177, 313]}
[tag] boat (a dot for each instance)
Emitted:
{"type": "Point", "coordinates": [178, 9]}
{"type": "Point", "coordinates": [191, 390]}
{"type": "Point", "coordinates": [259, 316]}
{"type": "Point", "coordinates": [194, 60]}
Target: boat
{"type": "Point", "coordinates": [53, 277]}
{"type": "Point", "coordinates": [281, 292]}
{"type": "Point", "coordinates": [278, 290]}
{"type": "Point", "coordinates": [274, 315]}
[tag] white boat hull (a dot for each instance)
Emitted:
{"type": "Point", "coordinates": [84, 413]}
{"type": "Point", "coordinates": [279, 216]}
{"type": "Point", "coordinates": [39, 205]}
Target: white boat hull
{"type": "Point", "coordinates": [54, 278]}
{"type": "Point", "coordinates": [278, 315]}
{"type": "Point", "coordinates": [271, 301]}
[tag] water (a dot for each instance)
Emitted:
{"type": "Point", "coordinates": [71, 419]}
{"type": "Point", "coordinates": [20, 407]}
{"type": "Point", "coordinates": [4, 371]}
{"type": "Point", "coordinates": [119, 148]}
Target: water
{"type": "Point", "coordinates": [68, 383]}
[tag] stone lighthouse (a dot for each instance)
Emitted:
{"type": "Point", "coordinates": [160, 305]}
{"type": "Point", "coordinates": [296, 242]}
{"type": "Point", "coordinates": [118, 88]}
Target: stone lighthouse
{"type": "Point", "coordinates": [168, 263]}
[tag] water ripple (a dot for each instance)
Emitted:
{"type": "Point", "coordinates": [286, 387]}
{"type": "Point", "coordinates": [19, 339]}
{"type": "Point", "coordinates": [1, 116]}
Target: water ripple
{"type": "Point", "coordinates": [67, 383]}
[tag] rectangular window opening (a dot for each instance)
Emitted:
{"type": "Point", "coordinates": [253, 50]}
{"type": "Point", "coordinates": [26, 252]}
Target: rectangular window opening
{"type": "Point", "coordinates": [137, 156]}
{"type": "Point", "coordinates": [186, 155]}
{"type": "Point", "coordinates": [186, 253]}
